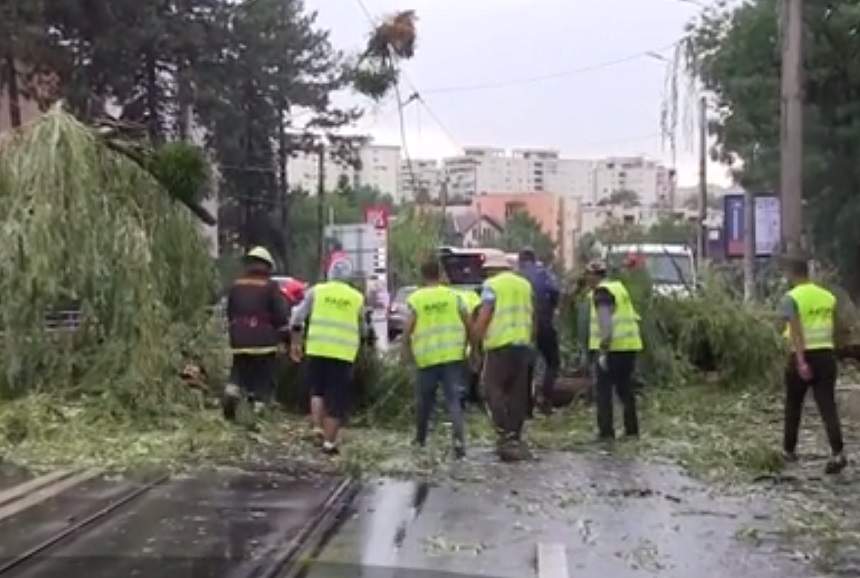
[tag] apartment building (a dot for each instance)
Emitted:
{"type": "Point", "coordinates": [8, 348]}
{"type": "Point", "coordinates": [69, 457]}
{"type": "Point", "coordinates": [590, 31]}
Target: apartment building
{"type": "Point", "coordinates": [380, 168]}
{"type": "Point", "coordinates": [420, 176]}
{"type": "Point", "coordinates": [486, 170]}
{"type": "Point", "coordinates": [652, 182]}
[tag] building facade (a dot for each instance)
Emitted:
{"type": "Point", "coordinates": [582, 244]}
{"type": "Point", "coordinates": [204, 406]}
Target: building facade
{"type": "Point", "coordinates": [652, 182]}
{"type": "Point", "coordinates": [380, 168]}
{"type": "Point", "coordinates": [489, 171]}
{"type": "Point", "coordinates": [420, 178]}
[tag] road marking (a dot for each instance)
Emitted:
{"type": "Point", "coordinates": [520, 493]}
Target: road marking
{"type": "Point", "coordinates": [25, 488]}
{"type": "Point", "coordinates": [47, 492]}
{"type": "Point", "coordinates": [551, 560]}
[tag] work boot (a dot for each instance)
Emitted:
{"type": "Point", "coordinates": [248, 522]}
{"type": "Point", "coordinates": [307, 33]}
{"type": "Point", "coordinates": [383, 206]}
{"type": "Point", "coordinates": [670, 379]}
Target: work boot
{"type": "Point", "coordinates": [330, 449]}
{"type": "Point", "coordinates": [230, 401]}
{"type": "Point", "coordinates": [836, 464]}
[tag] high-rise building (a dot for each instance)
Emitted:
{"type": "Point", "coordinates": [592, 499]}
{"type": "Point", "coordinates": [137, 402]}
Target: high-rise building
{"type": "Point", "coordinates": [487, 171]}
{"type": "Point", "coordinates": [420, 177]}
{"type": "Point", "coordinates": [652, 182]}
{"type": "Point", "coordinates": [380, 168]}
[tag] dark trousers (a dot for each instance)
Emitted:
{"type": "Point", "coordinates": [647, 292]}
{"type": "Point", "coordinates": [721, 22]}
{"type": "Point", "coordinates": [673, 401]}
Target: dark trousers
{"type": "Point", "coordinates": [451, 377]}
{"type": "Point", "coordinates": [506, 387]}
{"type": "Point", "coordinates": [547, 348]}
{"type": "Point", "coordinates": [823, 385]}
{"type": "Point", "coordinates": [616, 378]}
{"type": "Point", "coordinates": [255, 374]}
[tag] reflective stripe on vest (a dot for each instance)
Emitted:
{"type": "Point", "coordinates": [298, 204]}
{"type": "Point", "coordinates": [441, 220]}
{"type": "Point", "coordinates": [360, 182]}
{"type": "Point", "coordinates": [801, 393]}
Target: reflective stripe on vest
{"type": "Point", "coordinates": [512, 313]}
{"type": "Point", "coordinates": [439, 335]}
{"type": "Point", "coordinates": [625, 321]}
{"type": "Point", "coordinates": [333, 330]}
{"type": "Point", "coordinates": [816, 307]}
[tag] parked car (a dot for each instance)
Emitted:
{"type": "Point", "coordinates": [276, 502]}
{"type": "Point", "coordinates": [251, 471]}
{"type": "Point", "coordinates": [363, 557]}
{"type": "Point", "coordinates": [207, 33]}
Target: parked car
{"type": "Point", "coordinates": [293, 289]}
{"type": "Point", "coordinates": [398, 311]}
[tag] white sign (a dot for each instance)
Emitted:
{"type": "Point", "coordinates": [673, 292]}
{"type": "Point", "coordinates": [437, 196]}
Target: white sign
{"type": "Point", "coordinates": [768, 226]}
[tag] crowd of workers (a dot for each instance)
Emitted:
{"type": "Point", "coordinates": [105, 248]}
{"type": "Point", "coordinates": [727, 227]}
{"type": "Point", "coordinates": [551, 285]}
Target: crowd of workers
{"type": "Point", "coordinates": [501, 329]}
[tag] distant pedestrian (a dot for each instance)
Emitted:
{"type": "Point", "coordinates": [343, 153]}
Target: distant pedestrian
{"type": "Point", "coordinates": [505, 324]}
{"type": "Point", "coordinates": [437, 333]}
{"type": "Point", "coordinates": [809, 313]}
{"type": "Point", "coordinates": [334, 314]}
{"type": "Point", "coordinates": [546, 294]}
{"type": "Point", "coordinates": [258, 316]}
{"type": "Point", "coordinates": [614, 340]}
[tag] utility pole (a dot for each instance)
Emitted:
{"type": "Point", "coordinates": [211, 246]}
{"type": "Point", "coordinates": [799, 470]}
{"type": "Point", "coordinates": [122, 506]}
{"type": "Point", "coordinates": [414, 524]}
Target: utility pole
{"type": "Point", "coordinates": [703, 181]}
{"type": "Point", "coordinates": [791, 137]}
{"type": "Point", "coordinates": [749, 246]}
{"type": "Point", "coordinates": [443, 198]}
{"type": "Point", "coordinates": [321, 211]}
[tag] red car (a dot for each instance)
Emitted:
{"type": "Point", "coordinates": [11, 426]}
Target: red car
{"type": "Point", "coordinates": [293, 289]}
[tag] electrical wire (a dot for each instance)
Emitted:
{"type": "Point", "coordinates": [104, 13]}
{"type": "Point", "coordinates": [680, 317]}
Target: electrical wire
{"type": "Point", "coordinates": [553, 75]}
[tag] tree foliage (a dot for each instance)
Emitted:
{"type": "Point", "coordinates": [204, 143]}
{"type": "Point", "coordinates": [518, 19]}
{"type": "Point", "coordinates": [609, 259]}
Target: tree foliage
{"type": "Point", "coordinates": [736, 55]}
{"type": "Point", "coordinates": [522, 230]}
{"type": "Point", "coordinates": [622, 197]}
{"type": "Point", "coordinates": [253, 77]}
{"type": "Point", "coordinates": [85, 227]}
{"type": "Point", "coordinates": [415, 237]}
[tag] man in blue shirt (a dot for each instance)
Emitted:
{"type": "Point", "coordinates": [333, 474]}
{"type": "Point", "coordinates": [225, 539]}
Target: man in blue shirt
{"type": "Point", "coordinates": [546, 297]}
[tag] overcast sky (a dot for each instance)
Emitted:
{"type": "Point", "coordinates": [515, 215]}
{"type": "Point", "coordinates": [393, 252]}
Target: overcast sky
{"type": "Point", "coordinates": [599, 111]}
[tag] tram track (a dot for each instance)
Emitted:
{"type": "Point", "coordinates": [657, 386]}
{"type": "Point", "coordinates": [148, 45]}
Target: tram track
{"type": "Point", "coordinates": [39, 509]}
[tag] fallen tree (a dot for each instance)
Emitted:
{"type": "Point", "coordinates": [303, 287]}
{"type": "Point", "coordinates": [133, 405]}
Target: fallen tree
{"type": "Point", "coordinates": [84, 226]}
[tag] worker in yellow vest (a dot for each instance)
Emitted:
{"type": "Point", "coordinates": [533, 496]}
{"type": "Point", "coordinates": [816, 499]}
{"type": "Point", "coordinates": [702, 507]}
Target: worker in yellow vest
{"type": "Point", "coordinates": [809, 312]}
{"type": "Point", "coordinates": [437, 333]}
{"type": "Point", "coordinates": [334, 313]}
{"type": "Point", "coordinates": [472, 300]}
{"type": "Point", "coordinates": [614, 340]}
{"type": "Point", "coordinates": [505, 324]}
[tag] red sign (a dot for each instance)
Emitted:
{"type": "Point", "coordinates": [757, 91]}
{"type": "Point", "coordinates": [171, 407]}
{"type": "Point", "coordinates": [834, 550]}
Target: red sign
{"type": "Point", "coordinates": [376, 216]}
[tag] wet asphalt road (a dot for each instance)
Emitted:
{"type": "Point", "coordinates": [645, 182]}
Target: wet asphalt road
{"type": "Point", "coordinates": [217, 523]}
{"type": "Point", "coordinates": [613, 518]}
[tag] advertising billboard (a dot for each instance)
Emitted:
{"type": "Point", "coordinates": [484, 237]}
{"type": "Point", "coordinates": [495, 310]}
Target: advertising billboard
{"type": "Point", "coordinates": [767, 225]}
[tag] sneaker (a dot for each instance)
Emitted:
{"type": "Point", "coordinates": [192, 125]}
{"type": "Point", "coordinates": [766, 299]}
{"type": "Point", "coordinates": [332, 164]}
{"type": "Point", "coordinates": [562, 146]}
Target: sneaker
{"type": "Point", "coordinates": [836, 464]}
{"type": "Point", "coordinates": [259, 407]}
{"type": "Point", "coordinates": [330, 449]}
{"type": "Point", "coordinates": [459, 452]}
{"type": "Point", "coordinates": [789, 457]}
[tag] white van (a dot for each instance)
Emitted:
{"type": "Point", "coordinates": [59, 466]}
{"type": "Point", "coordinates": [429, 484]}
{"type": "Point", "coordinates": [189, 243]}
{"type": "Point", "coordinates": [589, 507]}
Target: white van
{"type": "Point", "coordinates": [671, 267]}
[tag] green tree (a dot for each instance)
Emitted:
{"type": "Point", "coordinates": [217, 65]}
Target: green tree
{"type": "Point", "coordinates": [671, 230]}
{"type": "Point", "coordinates": [522, 230]}
{"type": "Point", "coordinates": [736, 55]}
{"type": "Point", "coordinates": [623, 197]}
{"type": "Point", "coordinates": [414, 237]}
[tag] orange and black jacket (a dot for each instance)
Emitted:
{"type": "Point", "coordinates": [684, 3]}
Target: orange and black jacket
{"type": "Point", "coordinates": [258, 314]}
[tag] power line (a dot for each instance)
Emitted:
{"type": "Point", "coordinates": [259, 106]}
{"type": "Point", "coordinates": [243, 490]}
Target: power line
{"type": "Point", "coordinates": [416, 93]}
{"type": "Point", "coordinates": [553, 75]}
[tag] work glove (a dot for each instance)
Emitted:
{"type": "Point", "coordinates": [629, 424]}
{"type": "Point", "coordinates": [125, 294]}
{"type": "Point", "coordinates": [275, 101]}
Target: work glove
{"type": "Point", "coordinates": [603, 361]}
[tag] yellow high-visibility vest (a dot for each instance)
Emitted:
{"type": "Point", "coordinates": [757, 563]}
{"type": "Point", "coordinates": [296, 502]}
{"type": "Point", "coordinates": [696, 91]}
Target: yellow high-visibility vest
{"type": "Point", "coordinates": [512, 314]}
{"type": "Point", "coordinates": [625, 321]}
{"type": "Point", "coordinates": [816, 307]}
{"type": "Point", "coordinates": [439, 335]}
{"type": "Point", "coordinates": [334, 328]}
{"type": "Point", "coordinates": [470, 299]}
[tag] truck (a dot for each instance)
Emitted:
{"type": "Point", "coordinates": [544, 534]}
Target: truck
{"type": "Point", "coordinates": [671, 267]}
